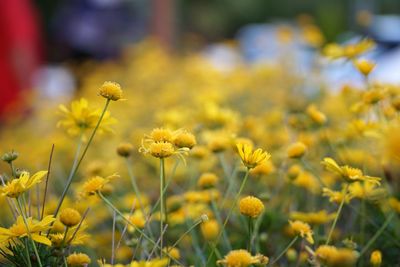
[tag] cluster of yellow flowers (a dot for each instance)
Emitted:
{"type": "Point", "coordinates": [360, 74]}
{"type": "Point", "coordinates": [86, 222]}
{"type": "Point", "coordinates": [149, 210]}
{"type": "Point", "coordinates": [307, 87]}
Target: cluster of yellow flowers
{"type": "Point", "coordinates": [205, 168]}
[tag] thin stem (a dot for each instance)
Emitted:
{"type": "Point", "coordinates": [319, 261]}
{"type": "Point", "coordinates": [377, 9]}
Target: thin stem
{"type": "Point", "coordinates": [337, 215]}
{"type": "Point", "coordinates": [250, 231]}
{"type": "Point", "coordinates": [219, 220]}
{"type": "Point", "coordinates": [27, 253]}
{"type": "Point", "coordinates": [377, 234]}
{"type": "Point", "coordinates": [137, 193]}
{"type": "Point", "coordinates": [113, 239]}
{"type": "Point", "coordinates": [108, 203]}
{"type": "Point", "coordinates": [29, 232]}
{"type": "Point", "coordinates": [163, 215]}
{"type": "Point", "coordinates": [47, 182]}
{"type": "Point", "coordinates": [230, 212]}
{"type": "Point", "coordinates": [285, 250]}
{"type": "Point", "coordinates": [76, 167]}
{"type": "Point", "coordinates": [65, 235]}
{"type": "Point", "coordinates": [199, 221]}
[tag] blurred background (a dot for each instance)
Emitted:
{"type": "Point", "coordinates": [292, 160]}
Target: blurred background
{"type": "Point", "coordinates": [44, 42]}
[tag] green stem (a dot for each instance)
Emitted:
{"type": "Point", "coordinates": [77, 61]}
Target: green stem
{"type": "Point", "coordinates": [65, 235]}
{"type": "Point", "coordinates": [187, 232]}
{"type": "Point", "coordinates": [75, 166]}
{"type": "Point", "coordinates": [285, 250]}
{"type": "Point", "coordinates": [230, 212]}
{"type": "Point", "coordinates": [29, 232]}
{"type": "Point", "coordinates": [137, 193]}
{"type": "Point", "coordinates": [250, 229]}
{"type": "Point", "coordinates": [337, 215]}
{"type": "Point", "coordinates": [108, 203]}
{"type": "Point", "coordinates": [27, 253]}
{"type": "Point", "coordinates": [377, 234]}
{"type": "Point", "coordinates": [163, 215]}
{"type": "Point", "coordinates": [219, 220]}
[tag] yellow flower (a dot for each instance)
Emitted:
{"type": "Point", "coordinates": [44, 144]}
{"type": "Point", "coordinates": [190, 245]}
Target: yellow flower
{"type": "Point", "coordinates": [264, 168]}
{"type": "Point", "coordinates": [315, 218]}
{"type": "Point", "coordinates": [185, 139]}
{"type": "Point", "coordinates": [111, 91]}
{"type": "Point", "coordinates": [251, 206]}
{"type": "Point", "coordinates": [296, 150]}
{"type": "Point", "coordinates": [160, 135]}
{"type": "Point", "coordinates": [207, 180]}
{"type": "Point", "coordinates": [242, 258]}
{"type": "Point", "coordinates": [73, 237]}
{"type": "Point", "coordinates": [81, 118]}
{"type": "Point", "coordinates": [124, 149]}
{"type": "Point", "coordinates": [78, 260]}
{"type": "Point", "coordinates": [336, 257]}
{"type": "Point", "coordinates": [394, 204]}
{"type": "Point", "coordinates": [362, 190]}
{"type": "Point", "coordinates": [160, 144]}
{"type": "Point", "coordinates": [17, 186]}
{"type": "Point", "coordinates": [316, 115]}
{"type": "Point", "coordinates": [349, 174]}
{"type": "Point", "coordinates": [336, 196]}
{"type": "Point", "coordinates": [302, 229]}
{"type": "Point", "coordinates": [95, 184]}
{"type": "Point", "coordinates": [210, 230]}
{"type": "Point", "coordinates": [36, 229]}
{"type": "Point", "coordinates": [137, 218]}
{"type": "Point", "coordinates": [350, 51]}
{"type": "Point", "coordinates": [173, 252]}
{"type": "Point", "coordinates": [364, 66]}
{"type": "Point", "coordinates": [70, 217]}
{"type": "Point", "coordinates": [376, 258]}
{"type": "Point", "coordinates": [250, 158]}
{"type": "Point", "coordinates": [150, 263]}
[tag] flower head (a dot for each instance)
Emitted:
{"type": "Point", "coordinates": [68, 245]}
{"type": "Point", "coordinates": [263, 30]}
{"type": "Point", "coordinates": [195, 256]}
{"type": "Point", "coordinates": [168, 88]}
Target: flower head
{"type": "Point", "coordinates": [336, 196]}
{"type": "Point", "coordinates": [364, 66]}
{"type": "Point", "coordinates": [70, 217]}
{"type": "Point", "coordinates": [111, 91]}
{"type": "Point", "coordinates": [36, 229]}
{"type": "Point", "coordinates": [336, 257]}
{"type": "Point", "coordinates": [242, 258]}
{"type": "Point", "coordinates": [314, 218]}
{"type": "Point", "coordinates": [376, 258]}
{"type": "Point", "coordinates": [251, 158]}
{"type": "Point", "coordinates": [124, 149]}
{"type": "Point", "coordinates": [96, 184]}
{"type": "Point", "coordinates": [296, 150]}
{"type": "Point", "coordinates": [207, 180]}
{"type": "Point", "coordinates": [349, 174]}
{"type": "Point", "coordinates": [210, 230]}
{"type": "Point", "coordinates": [78, 260]}
{"type": "Point", "coordinates": [81, 118]}
{"type": "Point", "coordinates": [302, 229]}
{"type": "Point", "coordinates": [251, 206]}
{"type": "Point", "coordinates": [17, 186]}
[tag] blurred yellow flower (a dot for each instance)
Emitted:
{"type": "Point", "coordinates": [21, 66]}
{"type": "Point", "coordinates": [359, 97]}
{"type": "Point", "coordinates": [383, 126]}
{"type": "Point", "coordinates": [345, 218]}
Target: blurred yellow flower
{"type": "Point", "coordinates": [349, 174]}
{"type": "Point", "coordinates": [242, 258]}
{"type": "Point", "coordinates": [78, 260]}
{"type": "Point", "coordinates": [302, 229]}
{"type": "Point", "coordinates": [315, 218]}
{"type": "Point", "coordinates": [81, 118]}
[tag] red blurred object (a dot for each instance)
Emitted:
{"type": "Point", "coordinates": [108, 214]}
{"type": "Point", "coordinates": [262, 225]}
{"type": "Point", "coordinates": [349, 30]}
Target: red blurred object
{"type": "Point", "coordinates": [20, 52]}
